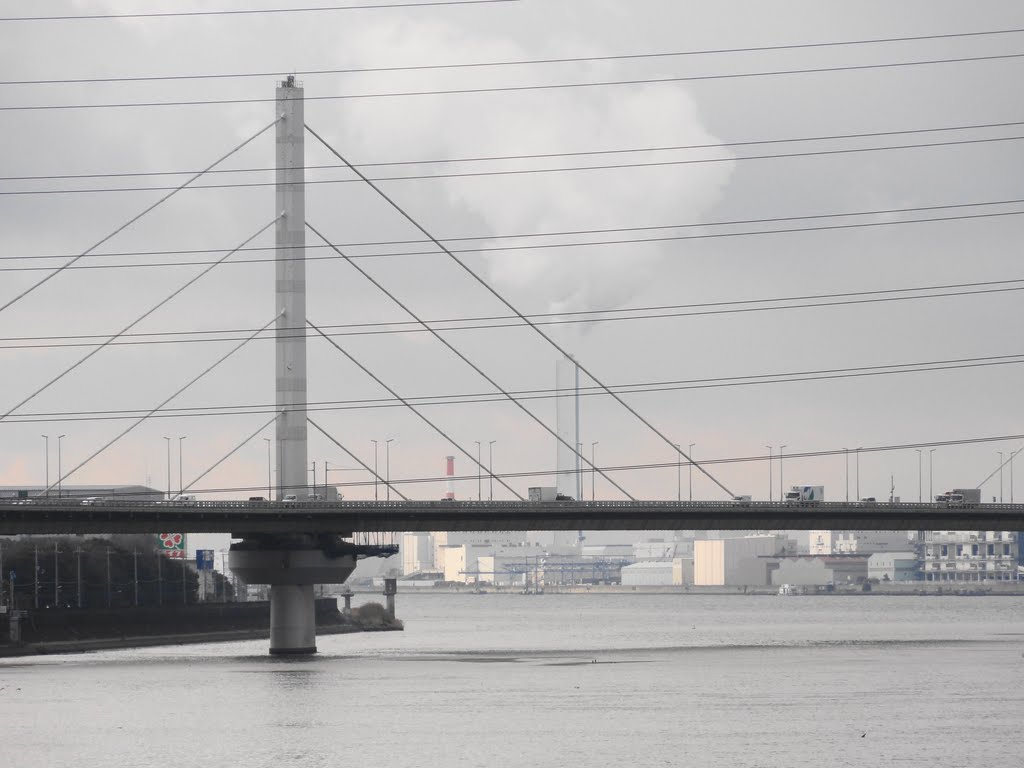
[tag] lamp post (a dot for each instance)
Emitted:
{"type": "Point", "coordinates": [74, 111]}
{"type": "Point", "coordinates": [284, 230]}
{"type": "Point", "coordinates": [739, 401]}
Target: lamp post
{"type": "Point", "coordinates": [1012, 454]}
{"type": "Point", "coordinates": [59, 470]}
{"type": "Point", "coordinates": [479, 470]}
{"type": "Point", "coordinates": [679, 473]}
{"type": "Point", "coordinates": [181, 478]}
{"type": "Point", "coordinates": [490, 468]}
{"type": "Point", "coordinates": [920, 456]}
{"type": "Point", "coordinates": [781, 484]}
{"type": "Point", "coordinates": [931, 491]}
{"type": "Point", "coordinates": [387, 462]}
{"type": "Point", "coordinates": [770, 486]}
{"type": "Point", "coordinates": [1000, 476]}
{"type": "Point", "coordinates": [168, 467]}
{"type": "Point", "coordinates": [593, 468]}
{"type": "Point", "coordinates": [858, 472]}
{"type": "Point", "coordinates": [846, 453]}
{"type": "Point", "coordinates": [270, 493]}
{"type": "Point", "coordinates": [691, 447]}
{"type": "Point", "coordinates": [375, 497]}
{"type": "Point", "coordinates": [46, 459]}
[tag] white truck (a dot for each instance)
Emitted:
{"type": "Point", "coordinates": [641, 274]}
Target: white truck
{"type": "Point", "coordinates": [804, 493]}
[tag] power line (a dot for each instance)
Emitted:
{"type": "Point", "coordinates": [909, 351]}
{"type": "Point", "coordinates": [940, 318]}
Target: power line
{"type": "Point", "coordinates": [512, 62]}
{"type": "Point", "coordinates": [134, 218]}
{"type": "Point", "coordinates": [521, 88]}
{"type": "Point", "coordinates": [525, 171]}
{"type": "Point", "coordinates": [252, 11]}
{"type": "Point", "coordinates": [536, 156]}
{"type": "Point", "coordinates": [580, 244]}
{"type": "Point", "coordinates": [659, 312]}
{"type": "Point", "coordinates": [474, 398]}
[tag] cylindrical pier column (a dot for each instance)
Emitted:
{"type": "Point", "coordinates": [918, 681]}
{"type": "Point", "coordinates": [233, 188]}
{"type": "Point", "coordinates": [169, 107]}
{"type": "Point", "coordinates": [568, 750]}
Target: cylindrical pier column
{"type": "Point", "coordinates": [292, 619]}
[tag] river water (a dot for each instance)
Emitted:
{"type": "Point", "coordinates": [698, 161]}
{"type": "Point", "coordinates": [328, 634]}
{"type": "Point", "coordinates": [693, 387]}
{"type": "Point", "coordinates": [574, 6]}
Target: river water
{"type": "Point", "coordinates": [554, 680]}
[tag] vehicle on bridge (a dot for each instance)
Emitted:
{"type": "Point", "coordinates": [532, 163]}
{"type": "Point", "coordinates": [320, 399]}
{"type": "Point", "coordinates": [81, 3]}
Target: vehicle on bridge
{"type": "Point", "coordinates": [805, 493]}
{"type": "Point", "coordinates": [743, 501]}
{"type": "Point", "coordinates": [960, 496]}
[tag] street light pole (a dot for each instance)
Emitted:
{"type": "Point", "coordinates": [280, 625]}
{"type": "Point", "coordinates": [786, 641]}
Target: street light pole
{"type": "Point", "coordinates": [771, 493]}
{"type": "Point", "coordinates": [181, 479]}
{"type": "Point", "coordinates": [679, 473]}
{"type": "Point", "coordinates": [1012, 454]}
{"type": "Point", "coordinates": [593, 469]}
{"type": "Point", "coordinates": [168, 467]}
{"type": "Point", "coordinates": [47, 461]}
{"type": "Point", "coordinates": [1000, 476]}
{"type": "Point", "coordinates": [490, 468]}
{"type": "Point", "coordinates": [846, 453]}
{"type": "Point", "coordinates": [479, 469]}
{"type": "Point", "coordinates": [270, 492]}
{"type": "Point", "coordinates": [781, 484]}
{"type": "Point", "coordinates": [387, 461]}
{"type": "Point", "coordinates": [931, 490]}
{"type": "Point", "coordinates": [858, 472]}
{"type": "Point", "coordinates": [59, 470]}
{"type": "Point", "coordinates": [691, 447]}
{"type": "Point", "coordinates": [375, 497]}
{"type": "Point", "coordinates": [920, 455]}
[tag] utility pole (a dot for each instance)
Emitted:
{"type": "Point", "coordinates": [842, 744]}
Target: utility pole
{"type": "Point", "coordinates": [387, 462]}
{"type": "Point", "coordinates": [771, 488]}
{"type": "Point", "coordinates": [593, 469]}
{"type": "Point", "coordinates": [35, 583]}
{"type": "Point", "coordinates": [60, 472]}
{"type": "Point", "coordinates": [270, 490]}
{"type": "Point", "coordinates": [1000, 476]}
{"type": "Point", "coordinates": [78, 574]}
{"type": "Point", "coordinates": [846, 453]}
{"type": "Point", "coordinates": [135, 571]}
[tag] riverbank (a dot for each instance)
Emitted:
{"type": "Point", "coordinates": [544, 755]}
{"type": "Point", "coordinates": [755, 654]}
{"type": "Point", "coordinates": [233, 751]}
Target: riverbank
{"type": "Point", "coordinates": [49, 632]}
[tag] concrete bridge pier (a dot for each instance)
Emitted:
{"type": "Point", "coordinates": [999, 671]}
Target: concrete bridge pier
{"type": "Point", "coordinates": [291, 566]}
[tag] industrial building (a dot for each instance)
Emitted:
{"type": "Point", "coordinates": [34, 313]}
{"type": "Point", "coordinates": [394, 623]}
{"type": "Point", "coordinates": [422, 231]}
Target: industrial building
{"type": "Point", "coordinates": [737, 561]}
{"type": "Point", "coordinates": [894, 567]}
{"type": "Point", "coordinates": [819, 570]}
{"type": "Point", "coordinates": [966, 556]}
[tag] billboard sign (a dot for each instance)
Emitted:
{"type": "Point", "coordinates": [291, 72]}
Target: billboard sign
{"type": "Point", "coordinates": [173, 545]}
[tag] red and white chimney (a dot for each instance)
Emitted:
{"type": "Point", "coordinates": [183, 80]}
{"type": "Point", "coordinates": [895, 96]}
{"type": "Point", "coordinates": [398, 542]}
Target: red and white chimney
{"type": "Point", "coordinates": [450, 474]}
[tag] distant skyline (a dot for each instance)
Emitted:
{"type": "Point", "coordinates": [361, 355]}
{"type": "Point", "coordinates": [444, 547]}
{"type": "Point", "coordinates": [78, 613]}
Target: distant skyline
{"type": "Point", "coordinates": [706, 265]}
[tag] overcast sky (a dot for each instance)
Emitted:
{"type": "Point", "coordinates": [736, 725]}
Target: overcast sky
{"type": "Point", "coordinates": [734, 421]}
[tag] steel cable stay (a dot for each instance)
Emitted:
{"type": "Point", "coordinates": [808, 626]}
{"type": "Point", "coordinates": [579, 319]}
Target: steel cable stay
{"type": "Point", "coordinates": [232, 452]}
{"type": "Point", "coordinates": [407, 404]}
{"type": "Point", "coordinates": [490, 289]}
{"type": "Point", "coordinates": [111, 339]}
{"type": "Point", "coordinates": [465, 359]}
{"type": "Point", "coordinates": [376, 477]}
{"type": "Point", "coordinates": [138, 216]}
{"type": "Point", "coordinates": [165, 402]}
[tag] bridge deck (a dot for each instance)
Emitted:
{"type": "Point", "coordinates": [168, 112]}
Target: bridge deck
{"type": "Point", "coordinates": [53, 516]}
